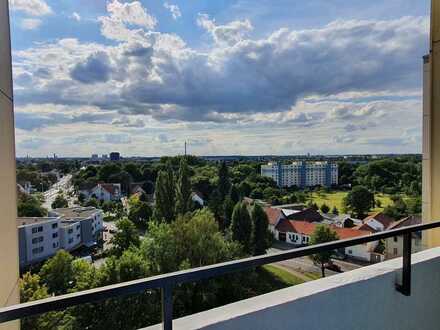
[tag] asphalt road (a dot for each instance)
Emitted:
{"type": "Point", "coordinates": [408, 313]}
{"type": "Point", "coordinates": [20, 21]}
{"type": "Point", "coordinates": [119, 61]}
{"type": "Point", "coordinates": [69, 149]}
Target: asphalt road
{"type": "Point", "coordinates": [64, 185]}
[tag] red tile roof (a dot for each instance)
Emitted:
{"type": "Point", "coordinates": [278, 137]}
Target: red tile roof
{"type": "Point", "coordinates": [110, 187]}
{"type": "Point", "coordinates": [307, 228]}
{"type": "Point", "coordinates": [365, 227]}
{"type": "Point", "coordinates": [273, 215]}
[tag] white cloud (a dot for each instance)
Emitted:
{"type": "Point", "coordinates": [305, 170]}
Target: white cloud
{"type": "Point", "coordinates": [31, 7]}
{"type": "Point", "coordinates": [174, 10]}
{"type": "Point", "coordinates": [228, 34]}
{"type": "Point", "coordinates": [76, 16]}
{"type": "Point", "coordinates": [30, 23]}
{"type": "Point", "coordinates": [131, 13]}
{"type": "Point", "coordinates": [122, 17]}
{"type": "Point", "coordinates": [322, 83]}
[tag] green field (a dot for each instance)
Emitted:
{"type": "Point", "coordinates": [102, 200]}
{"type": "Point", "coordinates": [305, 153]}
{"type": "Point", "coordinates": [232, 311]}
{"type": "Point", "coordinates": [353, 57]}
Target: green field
{"type": "Point", "coordinates": [335, 199]}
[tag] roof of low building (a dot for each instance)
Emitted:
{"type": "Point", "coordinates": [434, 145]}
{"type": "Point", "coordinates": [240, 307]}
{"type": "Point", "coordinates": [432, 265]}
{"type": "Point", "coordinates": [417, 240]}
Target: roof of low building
{"type": "Point", "coordinates": [366, 227]}
{"type": "Point", "coordinates": [110, 187]}
{"type": "Point", "coordinates": [76, 212]}
{"type": "Point", "coordinates": [408, 221]}
{"type": "Point", "coordinates": [25, 221]}
{"type": "Point", "coordinates": [307, 228]}
{"type": "Point", "coordinates": [273, 215]}
{"type": "Point", "coordinates": [385, 220]}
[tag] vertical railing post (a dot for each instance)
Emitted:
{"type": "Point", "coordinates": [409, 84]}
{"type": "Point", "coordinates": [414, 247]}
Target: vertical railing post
{"type": "Point", "coordinates": [405, 287]}
{"type": "Point", "coordinates": [167, 307]}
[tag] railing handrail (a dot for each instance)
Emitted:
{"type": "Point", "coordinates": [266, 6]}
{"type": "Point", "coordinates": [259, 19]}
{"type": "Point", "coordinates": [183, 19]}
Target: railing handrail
{"type": "Point", "coordinates": [167, 281]}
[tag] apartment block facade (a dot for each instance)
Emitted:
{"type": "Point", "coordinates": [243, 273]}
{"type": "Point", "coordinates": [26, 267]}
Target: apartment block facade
{"type": "Point", "coordinates": [302, 174]}
{"type": "Point", "coordinates": [68, 229]}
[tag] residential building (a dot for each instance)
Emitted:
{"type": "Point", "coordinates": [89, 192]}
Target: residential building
{"type": "Point", "coordinates": [274, 216]}
{"type": "Point", "coordinates": [302, 174]}
{"type": "Point", "coordinates": [341, 220]}
{"type": "Point", "coordinates": [115, 156]}
{"type": "Point", "coordinates": [104, 192]}
{"type": "Point", "coordinates": [70, 235]}
{"type": "Point", "coordinates": [394, 245]}
{"type": "Point", "coordinates": [90, 222]}
{"type": "Point", "coordinates": [38, 239]}
{"type": "Point", "coordinates": [308, 214]}
{"type": "Point", "coordinates": [376, 222]}
{"type": "Point", "coordinates": [299, 233]}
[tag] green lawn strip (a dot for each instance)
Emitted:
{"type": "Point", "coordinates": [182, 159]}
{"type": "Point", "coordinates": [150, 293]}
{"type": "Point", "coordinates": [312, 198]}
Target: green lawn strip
{"type": "Point", "coordinates": [283, 275]}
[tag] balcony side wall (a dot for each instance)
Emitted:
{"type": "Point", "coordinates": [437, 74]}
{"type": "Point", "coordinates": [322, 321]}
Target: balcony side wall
{"type": "Point", "coordinates": [9, 293]}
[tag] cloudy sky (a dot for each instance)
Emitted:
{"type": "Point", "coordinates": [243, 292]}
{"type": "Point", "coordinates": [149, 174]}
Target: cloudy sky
{"type": "Point", "coordinates": [230, 77]}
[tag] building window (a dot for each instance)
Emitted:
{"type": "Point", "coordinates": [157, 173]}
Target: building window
{"type": "Point", "coordinates": [38, 250]}
{"type": "Point", "coordinates": [54, 235]}
{"type": "Point", "coordinates": [37, 239]}
{"type": "Point", "coordinates": [77, 227]}
{"type": "Point", "coordinates": [70, 240]}
{"type": "Point", "coordinates": [70, 231]}
{"type": "Point", "coordinates": [395, 238]}
{"type": "Point", "coordinates": [54, 245]}
{"type": "Point", "coordinates": [395, 251]}
{"type": "Point", "coordinates": [54, 226]}
{"type": "Point", "coordinates": [40, 229]}
{"type": "Point", "coordinates": [77, 236]}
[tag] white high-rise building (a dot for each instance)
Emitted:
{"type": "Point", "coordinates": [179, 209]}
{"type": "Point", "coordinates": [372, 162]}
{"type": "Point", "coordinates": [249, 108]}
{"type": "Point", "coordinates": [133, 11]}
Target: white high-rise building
{"type": "Point", "coordinates": [302, 174]}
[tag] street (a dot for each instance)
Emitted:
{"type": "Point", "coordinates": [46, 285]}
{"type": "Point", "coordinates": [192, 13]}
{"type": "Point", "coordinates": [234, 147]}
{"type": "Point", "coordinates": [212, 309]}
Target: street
{"type": "Point", "coordinates": [64, 185]}
{"type": "Point", "coordinates": [304, 265]}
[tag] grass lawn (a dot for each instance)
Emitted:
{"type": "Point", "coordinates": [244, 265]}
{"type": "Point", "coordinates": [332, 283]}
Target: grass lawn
{"type": "Point", "coordinates": [283, 275]}
{"type": "Point", "coordinates": [335, 199]}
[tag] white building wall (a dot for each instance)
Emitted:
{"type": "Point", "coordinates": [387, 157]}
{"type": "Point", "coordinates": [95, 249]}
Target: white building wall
{"type": "Point", "coordinates": [42, 240]}
{"type": "Point", "coordinates": [70, 235]}
{"type": "Point", "coordinates": [299, 173]}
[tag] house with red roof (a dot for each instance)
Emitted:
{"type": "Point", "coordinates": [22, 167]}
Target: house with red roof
{"type": "Point", "coordinates": [299, 234]}
{"type": "Point", "coordinates": [104, 192]}
{"type": "Point", "coordinates": [274, 215]}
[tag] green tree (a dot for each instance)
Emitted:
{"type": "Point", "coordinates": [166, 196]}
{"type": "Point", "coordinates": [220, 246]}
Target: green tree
{"type": "Point", "coordinates": [228, 209]}
{"type": "Point", "coordinates": [183, 189]}
{"type": "Point", "coordinates": [234, 194]}
{"type": "Point", "coordinates": [245, 189]}
{"type": "Point", "coordinates": [140, 213]}
{"type": "Point", "coordinates": [241, 226]}
{"type": "Point", "coordinates": [165, 195]}
{"type": "Point", "coordinates": [224, 183]}
{"type": "Point", "coordinates": [359, 201]}
{"type": "Point", "coordinates": [29, 206]}
{"type": "Point", "coordinates": [31, 289]}
{"type": "Point", "coordinates": [324, 208]}
{"type": "Point", "coordinates": [57, 273]}
{"type": "Point", "coordinates": [60, 202]}
{"type": "Point", "coordinates": [259, 230]}
{"type": "Point", "coordinates": [126, 236]}
{"type": "Point", "coordinates": [322, 234]}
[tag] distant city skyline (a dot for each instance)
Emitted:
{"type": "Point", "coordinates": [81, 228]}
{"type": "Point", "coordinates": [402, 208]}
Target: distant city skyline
{"type": "Point", "coordinates": [231, 77]}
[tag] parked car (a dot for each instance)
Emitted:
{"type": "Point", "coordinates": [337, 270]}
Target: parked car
{"type": "Point", "coordinates": [333, 267]}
